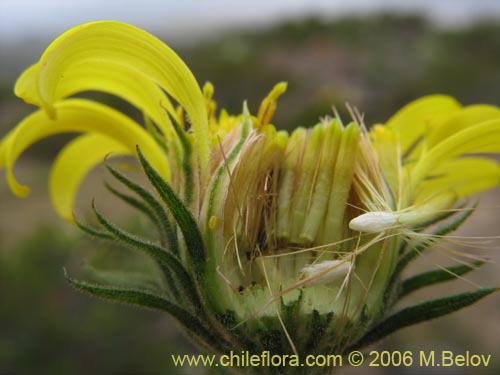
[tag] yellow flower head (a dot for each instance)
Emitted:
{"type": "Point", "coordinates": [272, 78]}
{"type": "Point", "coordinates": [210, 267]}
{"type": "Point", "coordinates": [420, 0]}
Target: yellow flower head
{"type": "Point", "coordinates": [315, 224]}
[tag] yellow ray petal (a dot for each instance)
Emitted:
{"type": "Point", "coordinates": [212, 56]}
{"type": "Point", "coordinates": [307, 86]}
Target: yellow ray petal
{"type": "Point", "coordinates": [121, 80]}
{"type": "Point", "coordinates": [3, 146]}
{"type": "Point", "coordinates": [80, 115]}
{"type": "Point", "coordinates": [412, 121]}
{"type": "Point", "coordinates": [26, 86]}
{"type": "Point", "coordinates": [139, 50]}
{"type": "Point", "coordinates": [387, 148]}
{"type": "Point", "coordinates": [73, 163]}
{"type": "Point", "coordinates": [480, 138]}
{"type": "Point", "coordinates": [465, 176]}
{"type": "Point", "coordinates": [468, 116]}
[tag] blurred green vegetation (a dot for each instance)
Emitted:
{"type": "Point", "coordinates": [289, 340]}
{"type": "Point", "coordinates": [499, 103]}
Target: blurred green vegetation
{"type": "Point", "coordinates": [47, 328]}
{"type": "Point", "coordinates": [376, 64]}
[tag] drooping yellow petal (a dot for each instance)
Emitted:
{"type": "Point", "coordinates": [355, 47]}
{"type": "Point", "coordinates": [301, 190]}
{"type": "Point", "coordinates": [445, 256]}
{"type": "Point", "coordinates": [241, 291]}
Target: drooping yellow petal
{"type": "Point", "coordinates": [73, 163]}
{"type": "Point", "coordinates": [3, 147]}
{"type": "Point", "coordinates": [118, 79]}
{"type": "Point", "coordinates": [480, 138]}
{"type": "Point", "coordinates": [128, 45]}
{"type": "Point", "coordinates": [412, 121]}
{"type": "Point", "coordinates": [80, 115]}
{"type": "Point", "coordinates": [465, 176]}
{"type": "Point", "coordinates": [26, 86]}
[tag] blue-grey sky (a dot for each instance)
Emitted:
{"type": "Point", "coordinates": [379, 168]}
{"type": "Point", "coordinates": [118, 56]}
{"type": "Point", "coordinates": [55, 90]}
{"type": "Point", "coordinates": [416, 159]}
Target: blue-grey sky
{"type": "Point", "coordinates": [45, 19]}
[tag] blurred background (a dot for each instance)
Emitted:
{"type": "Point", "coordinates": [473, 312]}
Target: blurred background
{"type": "Point", "coordinates": [375, 55]}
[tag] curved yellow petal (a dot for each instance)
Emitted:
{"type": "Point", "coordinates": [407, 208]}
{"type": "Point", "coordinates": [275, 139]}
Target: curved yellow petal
{"type": "Point", "coordinates": [464, 118]}
{"type": "Point", "coordinates": [128, 45]}
{"type": "Point", "coordinates": [73, 163]}
{"type": "Point", "coordinates": [465, 176]}
{"type": "Point", "coordinates": [3, 146]}
{"type": "Point", "coordinates": [26, 86]}
{"type": "Point", "coordinates": [121, 80]}
{"type": "Point", "coordinates": [480, 138]}
{"type": "Point", "coordinates": [80, 115]}
{"type": "Point", "coordinates": [413, 120]}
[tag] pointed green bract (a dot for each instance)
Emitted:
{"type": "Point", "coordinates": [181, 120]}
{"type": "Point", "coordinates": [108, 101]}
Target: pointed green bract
{"type": "Point", "coordinates": [435, 277]}
{"type": "Point", "coordinates": [159, 213]}
{"type": "Point", "coordinates": [187, 160]}
{"type": "Point", "coordinates": [135, 203]}
{"type": "Point", "coordinates": [93, 232]}
{"type": "Point", "coordinates": [160, 255]}
{"type": "Point", "coordinates": [126, 279]}
{"type": "Point", "coordinates": [184, 218]}
{"type": "Point", "coordinates": [152, 301]}
{"type": "Point", "coordinates": [421, 313]}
